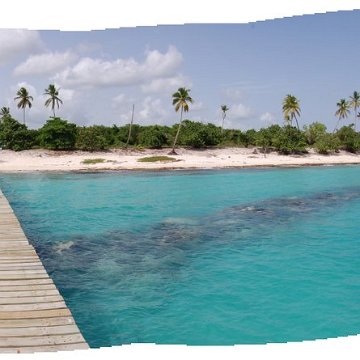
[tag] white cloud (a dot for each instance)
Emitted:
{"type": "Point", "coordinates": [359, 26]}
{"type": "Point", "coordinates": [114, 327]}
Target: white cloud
{"type": "Point", "coordinates": [196, 106]}
{"type": "Point", "coordinates": [234, 94]}
{"type": "Point", "coordinates": [45, 64]}
{"type": "Point", "coordinates": [166, 85]}
{"type": "Point", "coordinates": [91, 72]}
{"type": "Point", "coordinates": [66, 95]}
{"type": "Point", "coordinates": [152, 111]}
{"type": "Point", "coordinates": [239, 111]}
{"type": "Point", "coordinates": [267, 118]}
{"type": "Point", "coordinates": [16, 42]}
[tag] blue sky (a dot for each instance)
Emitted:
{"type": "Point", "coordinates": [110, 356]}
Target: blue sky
{"type": "Point", "coordinates": [249, 67]}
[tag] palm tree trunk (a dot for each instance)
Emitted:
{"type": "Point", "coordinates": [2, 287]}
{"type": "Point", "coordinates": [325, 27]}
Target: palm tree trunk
{"type": "Point", "coordinates": [355, 117]}
{"type": "Point", "coordinates": [132, 119]}
{"type": "Point", "coordinates": [297, 124]}
{"type": "Point", "coordinates": [54, 112]}
{"type": "Point", "coordinates": [222, 125]}
{"type": "Point", "coordinates": [173, 152]}
{"type": "Point", "coordinates": [24, 116]}
{"type": "Point", "coordinates": [337, 124]}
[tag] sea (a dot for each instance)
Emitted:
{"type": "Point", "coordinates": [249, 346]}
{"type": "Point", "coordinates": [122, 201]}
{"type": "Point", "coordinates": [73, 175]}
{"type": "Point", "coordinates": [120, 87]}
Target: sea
{"type": "Point", "coordinates": [220, 257]}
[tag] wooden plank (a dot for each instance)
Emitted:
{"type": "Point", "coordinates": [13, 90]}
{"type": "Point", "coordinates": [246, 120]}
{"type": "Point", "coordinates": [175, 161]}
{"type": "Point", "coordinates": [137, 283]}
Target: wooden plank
{"type": "Point", "coordinates": [33, 315]}
{"type": "Point", "coordinates": [4, 315]}
{"type": "Point", "coordinates": [48, 348]}
{"type": "Point", "coordinates": [14, 266]}
{"type": "Point", "coordinates": [39, 331]}
{"type": "Point", "coordinates": [28, 293]}
{"type": "Point", "coordinates": [16, 282]}
{"type": "Point", "coordinates": [5, 262]}
{"type": "Point", "coordinates": [27, 287]}
{"type": "Point", "coordinates": [40, 340]}
{"type": "Point", "coordinates": [30, 299]}
{"type": "Point", "coordinates": [33, 307]}
{"type": "Point", "coordinates": [23, 323]}
{"type": "Point", "coordinates": [23, 276]}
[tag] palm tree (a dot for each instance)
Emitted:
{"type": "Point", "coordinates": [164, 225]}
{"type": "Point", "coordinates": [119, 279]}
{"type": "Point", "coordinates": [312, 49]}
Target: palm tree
{"type": "Point", "coordinates": [53, 97]}
{"type": "Point", "coordinates": [224, 109]}
{"type": "Point", "coordinates": [180, 101]}
{"type": "Point", "coordinates": [355, 103]}
{"type": "Point", "coordinates": [24, 99]}
{"type": "Point", "coordinates": [4, 112]}
{"type": "Point", "coordinates": [291, 109]}
{"type": "Point", "coordinates": [342, 112]}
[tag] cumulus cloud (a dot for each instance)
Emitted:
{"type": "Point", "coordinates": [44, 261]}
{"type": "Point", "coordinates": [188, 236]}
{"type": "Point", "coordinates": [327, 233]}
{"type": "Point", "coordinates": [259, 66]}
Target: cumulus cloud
{"type": "Point", "coordinates": [45, 64]}
{"type": "Point", "coordinates": [197, 106]}
{"type": "Point", "coordinates": [91, 72]}
{"type": "Point", "coordinates": [152, 111]}
{"type": "Point", "coordinates": [239, 111]}
{"type": "Point", "coordinates": [233, 94]}
{"type": "Point", "coordinates": [267, 118]}
{"type": "Point", "coordinates": [166, 85]}
{"type": "Point", "coordinates": [16, 42]}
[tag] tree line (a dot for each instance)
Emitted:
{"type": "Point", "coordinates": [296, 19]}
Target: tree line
{"type": "Point", "coordinates": [59, 134]}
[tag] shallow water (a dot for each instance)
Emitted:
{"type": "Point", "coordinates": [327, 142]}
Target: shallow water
{"type": "Point", "coordinates": [208, 257]}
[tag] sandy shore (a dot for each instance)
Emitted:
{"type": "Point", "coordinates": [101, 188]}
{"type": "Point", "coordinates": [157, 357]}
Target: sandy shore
{"type": "Point", "coordinates": [44, 160]}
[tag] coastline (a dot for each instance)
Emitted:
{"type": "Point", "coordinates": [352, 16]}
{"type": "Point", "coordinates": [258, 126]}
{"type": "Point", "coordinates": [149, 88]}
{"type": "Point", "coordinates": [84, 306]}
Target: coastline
{"type": "Point", "coordinates": [127, 160]}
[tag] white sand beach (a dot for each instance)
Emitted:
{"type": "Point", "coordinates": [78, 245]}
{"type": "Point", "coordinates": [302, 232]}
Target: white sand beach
{"type": "Point", "coordinates": [45, 160]}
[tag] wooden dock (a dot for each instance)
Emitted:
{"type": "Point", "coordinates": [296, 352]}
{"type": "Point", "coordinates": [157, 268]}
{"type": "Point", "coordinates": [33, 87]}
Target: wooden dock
{"type": "Point", "coordinates": [33, 314]}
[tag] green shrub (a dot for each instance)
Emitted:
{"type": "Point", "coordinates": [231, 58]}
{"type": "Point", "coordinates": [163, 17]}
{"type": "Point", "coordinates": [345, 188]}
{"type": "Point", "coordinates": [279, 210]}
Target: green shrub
{"type": "Point", "coordinates": [16, 136]}
{"type": "Point", "coordinates": [326, 143]}
{"type": "Point", "coordinates": [153, 137]}
{"type": "Point", "coordinates": [58, 134]}
{"type": "Point", "coordinates": [349, 139]}
{"type": "Point", "coordinates": [90, 139]}
{"type": "Point", "coordinates": [314, 132]}
{"type": "Point", "coordinates": [199, 135]}
{"type": "Point", "coordinates": [289, 140]}
{"type": "Point", "coordinates": [157, 158]}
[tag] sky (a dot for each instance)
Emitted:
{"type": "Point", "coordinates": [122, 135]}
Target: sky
{"type": "Point", "coordinates": [248, 67]}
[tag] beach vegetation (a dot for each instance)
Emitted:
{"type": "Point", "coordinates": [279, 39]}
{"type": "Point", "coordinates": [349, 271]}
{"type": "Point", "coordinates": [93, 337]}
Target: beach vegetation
{"type": "Point", "coordinates": [326, 143]}
{"type": "Point", "coordinates": [198, 135]}
{"type": "Point", "coordinates": [25, 100]}
{"type": "Point", "coordinates": [58, 134]}
{"type": "Point", "coordinates": [53, 97]}
{"type": "Point", "coordinates": [154, 137]}
{"type": "Point", "coordinates": [290, 140]}
{"type": "Point", "coordinates": [130, 126]}
{"type": "Point", "coordinates": [4, 113]}
{"type": "Point", "coordinates": [355, 104]}
{"type": "Point", "coordinates": [342, 112]}
{"type": "Point", "coordinates": [157, 158]}
{"type": "Point", "coordinates": [91, 139]}
{"type": "Point", "coordinates": [16, 136]}
{"type": "Point", "coordinates": [224, 110]}
{"type": "Point", "coordinates": [349, 139]}
{"type": "Point", "coordinates": [291, 110]}
{"type": "Point", "coordinates": [181, 100]}
{"type": "Point", "coordinates": [93, 161]}
{"type": "Point", "coordinates": [314, 132]}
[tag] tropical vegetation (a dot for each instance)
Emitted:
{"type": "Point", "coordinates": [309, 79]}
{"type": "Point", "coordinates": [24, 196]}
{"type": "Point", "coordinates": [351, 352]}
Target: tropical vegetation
{"type": "Point", "coordinates": [60, 134]}
{"type": "Point", "coordinates": [25, 100]}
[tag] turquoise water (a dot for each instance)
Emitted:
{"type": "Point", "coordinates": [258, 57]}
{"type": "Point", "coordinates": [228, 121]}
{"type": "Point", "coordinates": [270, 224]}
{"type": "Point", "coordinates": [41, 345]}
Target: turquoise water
{"type": "Point", "coordinates": [208, 257]}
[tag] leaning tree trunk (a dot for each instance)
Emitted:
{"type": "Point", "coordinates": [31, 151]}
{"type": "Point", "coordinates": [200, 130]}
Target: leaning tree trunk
{"type": "Point", "coordinates": [297, 124]}
{"type": "Point", "coordinates": [355, 117]}
{"type": "Point", "coordinates": [222, 125]}
{"type": "Point", "coordinates": [337, 124]}
{"type": "Point", "coordinates": [173, 152]}
{"type": "Point", "coordinates": [132, 119]}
